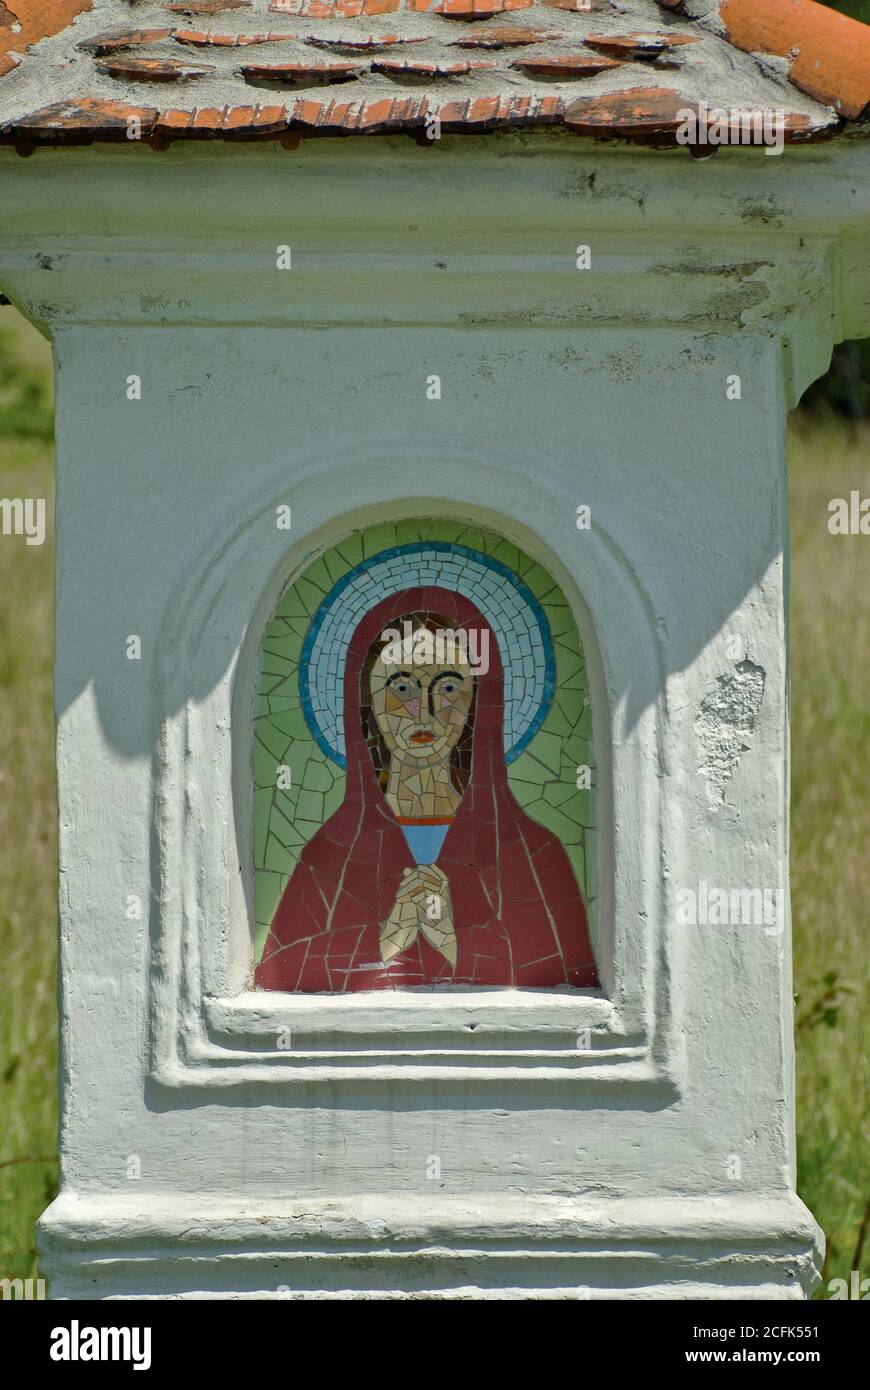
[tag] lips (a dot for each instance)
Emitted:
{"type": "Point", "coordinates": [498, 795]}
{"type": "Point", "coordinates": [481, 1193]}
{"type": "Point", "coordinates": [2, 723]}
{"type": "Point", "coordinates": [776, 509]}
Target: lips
{"type": "Point", "coordinates": [422, 737]}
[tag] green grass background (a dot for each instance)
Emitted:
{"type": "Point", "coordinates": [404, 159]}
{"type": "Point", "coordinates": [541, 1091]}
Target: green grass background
{"type": "Point", "coordinates": [830, 613]}
{"type": "Point", "coordinates": [857, 9]}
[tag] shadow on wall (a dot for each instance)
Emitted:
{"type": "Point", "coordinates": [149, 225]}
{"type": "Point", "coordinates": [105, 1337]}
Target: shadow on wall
{"type": "Point", "coordinates": [196, 472]}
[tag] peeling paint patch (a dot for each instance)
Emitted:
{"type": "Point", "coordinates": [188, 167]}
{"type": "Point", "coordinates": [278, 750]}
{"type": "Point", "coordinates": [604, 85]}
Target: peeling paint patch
{"type": "Point", "coordinates": [725, 724]}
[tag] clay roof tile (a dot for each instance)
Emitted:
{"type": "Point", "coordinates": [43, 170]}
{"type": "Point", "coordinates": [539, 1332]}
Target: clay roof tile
{"type": "Point", "coordinates": [70, 71]}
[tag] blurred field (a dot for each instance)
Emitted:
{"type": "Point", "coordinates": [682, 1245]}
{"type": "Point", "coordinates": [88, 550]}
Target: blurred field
{"type": "Point", "coordinates": [830, 708]}
{"type": "Point", "coordinates": [830, 581]}
{"type": "Point", "coordinates": [28, 1026]}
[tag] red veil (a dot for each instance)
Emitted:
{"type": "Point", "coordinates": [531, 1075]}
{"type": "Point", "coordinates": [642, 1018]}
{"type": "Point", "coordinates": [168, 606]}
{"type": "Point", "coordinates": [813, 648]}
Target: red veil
{"type": "Point", "coordinates": [517, 909]}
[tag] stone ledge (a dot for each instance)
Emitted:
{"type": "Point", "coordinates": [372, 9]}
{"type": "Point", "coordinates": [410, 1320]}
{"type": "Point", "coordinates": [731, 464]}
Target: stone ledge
{"type": "Point", "coordinates": [414, 1246]}
{"type": "Point", "coordinates": [488, 239]}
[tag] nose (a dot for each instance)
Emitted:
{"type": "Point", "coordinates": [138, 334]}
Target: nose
{"type": "Point", "coordinates": [423, 709]}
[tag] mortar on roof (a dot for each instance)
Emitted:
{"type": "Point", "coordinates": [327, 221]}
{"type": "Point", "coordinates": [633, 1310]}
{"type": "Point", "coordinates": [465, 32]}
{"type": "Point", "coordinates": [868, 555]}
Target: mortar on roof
{"type": "Point", "coordinates": [710, 70]}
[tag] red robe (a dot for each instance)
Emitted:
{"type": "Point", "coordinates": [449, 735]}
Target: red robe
{"type": "Point", "coordinates": [517, 909]}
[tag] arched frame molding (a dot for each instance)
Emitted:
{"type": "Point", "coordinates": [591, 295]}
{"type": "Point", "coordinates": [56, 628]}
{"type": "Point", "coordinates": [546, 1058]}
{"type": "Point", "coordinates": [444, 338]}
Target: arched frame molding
{"type": "Point", "coordinates": [208, 1027]}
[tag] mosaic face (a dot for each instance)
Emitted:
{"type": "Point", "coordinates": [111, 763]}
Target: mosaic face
{"type": "Point", "coordinates": [421, 713]}
{"type": "Point", "coordinates": [419, 688]}
{"type": "Point", "coordinates": [427, 676]}
{"type": "Point", "coordinates": [512, 610]}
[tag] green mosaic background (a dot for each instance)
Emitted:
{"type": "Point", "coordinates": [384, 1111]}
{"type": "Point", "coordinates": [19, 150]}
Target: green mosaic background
{"type": "Point", "coordinates": [543, 779]}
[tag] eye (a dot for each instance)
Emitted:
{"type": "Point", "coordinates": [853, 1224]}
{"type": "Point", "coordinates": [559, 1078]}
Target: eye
{"type": "Point", "coordinates": [402, 687]}
{"type": "Point", "coordinates": [449, 687]}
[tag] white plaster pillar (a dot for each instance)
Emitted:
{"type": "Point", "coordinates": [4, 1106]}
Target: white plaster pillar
{"type": "Point", "coordinates": [657, 1162]}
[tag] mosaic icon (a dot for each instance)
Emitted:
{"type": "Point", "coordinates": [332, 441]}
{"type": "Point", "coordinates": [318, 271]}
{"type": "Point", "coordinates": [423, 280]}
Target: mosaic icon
{"type": "Point", "coordinates": [428, 871]}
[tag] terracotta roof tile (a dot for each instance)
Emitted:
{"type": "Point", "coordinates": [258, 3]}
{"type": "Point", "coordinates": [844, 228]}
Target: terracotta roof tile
{"type": "Point", "coordinates": [398, 68]}
{"type": "Point", "coordinates": [23, 24]}
{"type": "Point", "coordinates": [86, 116]}
{"type": "Point", "coordinates": [101, 44]}
{"type": "Point", "coordinates": [207, 7]}
{"type": "Point", "coordinates": [829, 53]}
{"type": "Point", "coordinates": [152, 69]}
{"type": "Point", "coordinates": [334, 9]}
{"type": "Point", "coordinates": [574, 65]}
{"type": "Point", "coordinates": [492, 113]}
{"type": "Point", "coordinates": [397, 113]}
{"type": "Point", "coordinates": [372, 44]}
{"type": "Point", "coordinates": [475, 65]}
{"type": "Point", "coordinates": [646, 113]}
{"type": "Point", "coordinates": [579, 6]}
{"type": "Point", "coordinates": [212, 122]}
{"type": "Point", "coordinates": [206, 120]}
{"type": "Point", "coordinates": [488, 37]}
{"type": "Point", "coordinates": [651, 115]}
{"type": "Point", "coordinates": [469, 9]}
{"type": "Point", "coordinates": [301, 72]}
{"type": "Point", "coordinates": [198, 39]}
{"type": "Point", "coordinates": [638, 46]}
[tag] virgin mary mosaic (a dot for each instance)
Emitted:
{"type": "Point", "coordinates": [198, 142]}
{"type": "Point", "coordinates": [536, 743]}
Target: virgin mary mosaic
{"type": "Point", "coordinates": [423, 672]}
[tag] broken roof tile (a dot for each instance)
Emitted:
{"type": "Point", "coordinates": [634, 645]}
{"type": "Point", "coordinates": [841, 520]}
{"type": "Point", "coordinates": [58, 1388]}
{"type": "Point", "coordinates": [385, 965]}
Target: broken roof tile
{"type": "Point", "coordinates": [652, 115]}
{"type": "Point", "coordinates": [579, 6]}
{"type": "Point", "coordinates": [68, 121]}
{"type": "Point", "coordinates": [334, 9]}
{"type": "Point", "coordinates": [301, 72]}
{"type": "Point", "coordinates": [101, 44]}
{"type": "Point", "coordinates": [371, 44]}
{"type": "Point", "coordinates": [152, 69]}
{"type": "Point", "coordinates": [566, 67]}
{"type": "Point", "coordinates": [205, 6]}
{"type": "Point", "coordinates": [197, 39]}
{"type": "Point", "coordinates": [638, 46]}
{"type": "Point", "coordinates": [645, 113]}
{"type": "Point", "coordinates": [504, 38]}
{"type": "Point", "coordinates": [398, 68]}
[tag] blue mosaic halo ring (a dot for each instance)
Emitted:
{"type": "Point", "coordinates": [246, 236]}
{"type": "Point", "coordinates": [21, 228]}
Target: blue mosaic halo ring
{"type": "Point", "coordinates": [509, 606]}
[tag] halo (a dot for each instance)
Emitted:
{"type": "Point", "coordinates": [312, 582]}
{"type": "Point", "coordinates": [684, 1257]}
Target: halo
{"type": "Point", "coordinates": [509, 606]}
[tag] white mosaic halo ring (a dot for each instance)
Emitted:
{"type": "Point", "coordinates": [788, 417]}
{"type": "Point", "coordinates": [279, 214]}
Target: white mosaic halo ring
{"type": "Point", "coordinates": [509, 606]}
